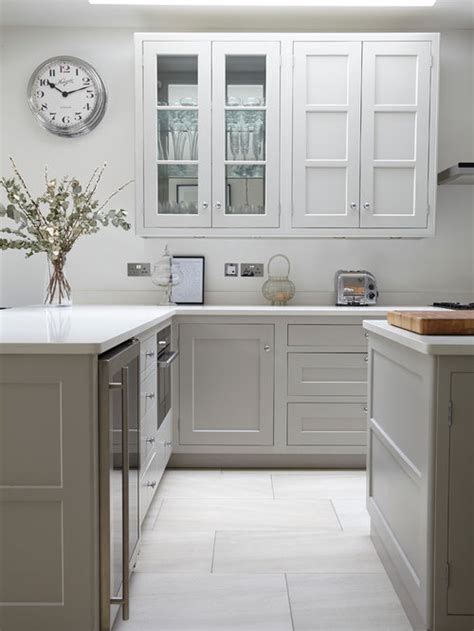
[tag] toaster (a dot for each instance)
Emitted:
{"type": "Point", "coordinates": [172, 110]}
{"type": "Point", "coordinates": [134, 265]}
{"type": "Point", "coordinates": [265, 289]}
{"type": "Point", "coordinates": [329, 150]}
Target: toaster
{"type": "Point", "coordinates": [355, 288]}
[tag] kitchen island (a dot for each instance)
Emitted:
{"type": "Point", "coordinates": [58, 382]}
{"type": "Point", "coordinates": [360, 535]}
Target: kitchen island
{"type": "Point", "coordinates": [296, 380]}
{"type": "Point", "coordinates": [421, 471]}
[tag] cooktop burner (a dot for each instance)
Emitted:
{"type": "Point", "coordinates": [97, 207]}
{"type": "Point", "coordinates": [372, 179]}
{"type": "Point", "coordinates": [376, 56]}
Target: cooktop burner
{"type": "Point", "coordinates": [454, 305]}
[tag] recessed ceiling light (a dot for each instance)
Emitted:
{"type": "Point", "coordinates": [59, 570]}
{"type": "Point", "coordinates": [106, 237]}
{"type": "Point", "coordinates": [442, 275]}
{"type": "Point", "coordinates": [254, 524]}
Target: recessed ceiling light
{"type": "Point", "coordinates": [306, 3]}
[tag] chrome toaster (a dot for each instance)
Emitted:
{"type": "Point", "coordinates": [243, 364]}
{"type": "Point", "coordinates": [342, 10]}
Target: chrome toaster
{"type": "Point", "coordinates": [355, 288]}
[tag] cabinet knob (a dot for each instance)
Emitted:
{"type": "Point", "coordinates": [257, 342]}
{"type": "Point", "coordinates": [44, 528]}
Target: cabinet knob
{"type": "Point", "coordinates": [365, 408]}
{"type": "Point", "coordinates": [366, 358]}
{"type": "Point", "coordinates": [168, 443]}
{"type": "Point", "coordinates": [150, 440]}
{"type": "Point", "coordinates": [205, 205]}
{"type": "Point", "coordinates": [149, 395]}
{"type": "Point", "coordinates": [152, 484]}
{"type": "Point", "coordinates": [218, 205]}
{"type": "Point", "coordinates": [366, 335]}
{"type": "Point", "coordinates": [150, 354]}
{"type": "Point", "coordinates": [367, 206]}
{"type": "Point", "coordinates": [353, 206]}
{"type": "Point", "coordinates": [267, 348]}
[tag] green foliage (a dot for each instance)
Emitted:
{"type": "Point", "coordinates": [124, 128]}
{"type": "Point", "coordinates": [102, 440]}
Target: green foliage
{"type": "Point", "coordinates": [53, 222]}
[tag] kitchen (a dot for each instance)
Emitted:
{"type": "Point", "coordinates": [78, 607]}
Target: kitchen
{"type": "Point", "coordinates": [238, 444]}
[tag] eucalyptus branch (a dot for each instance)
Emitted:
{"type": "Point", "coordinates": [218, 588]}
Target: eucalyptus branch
{"type": "Point", "coordinates": [114, 194]}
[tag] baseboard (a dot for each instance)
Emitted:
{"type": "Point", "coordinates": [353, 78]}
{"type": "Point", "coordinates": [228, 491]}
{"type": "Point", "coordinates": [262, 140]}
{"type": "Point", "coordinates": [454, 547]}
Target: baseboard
{"type": "Point", "coordinates": [269, 461]}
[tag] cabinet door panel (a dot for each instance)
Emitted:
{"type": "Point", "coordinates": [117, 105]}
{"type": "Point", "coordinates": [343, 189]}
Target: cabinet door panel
{"type": "Point", "coordinates": [246, 132]}
{"type": "Point", "coordinates": [177, 129]}
{"type": "Point", "coordinates": [461, 497]}
{"type": "Point", "coordinates": [327, 374]}
{"type": "Point", "coordinates": [332, 423]}
{"type": "Point", "coordinates": [226, 384]}
{"type": "Point", "coordinates": [396, 83]}
{"type": "Point", "coordinates": [326, 134]}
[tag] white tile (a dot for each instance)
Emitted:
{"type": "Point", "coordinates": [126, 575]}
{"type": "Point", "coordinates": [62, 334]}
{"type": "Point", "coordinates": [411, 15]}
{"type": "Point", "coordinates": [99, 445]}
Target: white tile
{"type": "Point", "coordinates": [352, 513]}
{"type": "Point", "coordinates": [294, 552]}
{"type": "Point", "coordinates": [214, 484]}
{"type": "Point", "coordinates": [172, 602]}
{"type": "Point", "coordinates": [180, 515]}
{"type": "Point", "coordinates": [176, 552]}
{"type": "Point", "coordinates": [321, 484]}
{"type": "Point", "coordinates": [345, 602]}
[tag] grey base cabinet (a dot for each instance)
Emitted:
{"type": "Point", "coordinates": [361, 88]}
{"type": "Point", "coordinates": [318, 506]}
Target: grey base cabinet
{"type": "Point", "coordinates": [226, 384]}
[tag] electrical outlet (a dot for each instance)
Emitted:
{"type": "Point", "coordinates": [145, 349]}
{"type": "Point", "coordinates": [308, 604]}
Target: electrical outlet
{"type": "Point", "coordinates": [231, 269]}
{"type": "Point", "coordinates": [251, 269]}
{"type": "Point", "coordinates": [138, 269]}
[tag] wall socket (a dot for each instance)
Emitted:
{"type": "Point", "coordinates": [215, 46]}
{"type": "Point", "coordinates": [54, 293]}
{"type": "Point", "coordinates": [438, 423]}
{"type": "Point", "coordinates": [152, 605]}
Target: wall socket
{"type": "Point", "coordinates": [231, 269]}
{"type": "Point", "coordinates": [251, 270]}
{"type": "Point", "coordinates": [138, 269]}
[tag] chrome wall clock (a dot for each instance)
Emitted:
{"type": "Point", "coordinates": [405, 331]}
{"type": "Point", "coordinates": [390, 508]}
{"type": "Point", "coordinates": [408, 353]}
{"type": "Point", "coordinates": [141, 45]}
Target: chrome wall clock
{"type": "Point", "coordinates": [67, 96]}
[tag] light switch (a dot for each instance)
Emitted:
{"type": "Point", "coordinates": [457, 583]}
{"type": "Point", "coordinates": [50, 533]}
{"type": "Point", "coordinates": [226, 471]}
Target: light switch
{"type": "Point", "coordinates": [231, 269]}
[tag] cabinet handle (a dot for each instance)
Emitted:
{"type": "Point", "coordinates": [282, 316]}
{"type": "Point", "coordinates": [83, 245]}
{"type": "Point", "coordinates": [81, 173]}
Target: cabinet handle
{"type": "Point", "coordinates": [150, 440]}
{"type": "Point", "coordinates": [218, 205]}
{"type": "Point", "coordinates": [150, 354]}
{"type": "Point", "coordinates": [267, 348]}
{"type": "Point", "coordinates": [162, 342]}
{"type": "Point", "coordinates": [366, 335]}
{"type": "Point", "coordinates": [353, 206]}
{"type": "Point", "coordinates": [365, 408]}
{"type": "Point", "coordinates": [168, 443]}
{"type": "Point", "coordinates": [149, 395]}
{"type": "Point", "coordinates": [205, 205]}
{"type": "Point", "coordinates": [152, 484]}
{"type": "Point", "coordinates": [366, 358]}
{"type": "Point", "coordinates": [367, 206]}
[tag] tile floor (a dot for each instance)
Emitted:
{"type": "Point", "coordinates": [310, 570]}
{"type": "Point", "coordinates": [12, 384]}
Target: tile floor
{"type": "Point", "coordinates": [260, 550]}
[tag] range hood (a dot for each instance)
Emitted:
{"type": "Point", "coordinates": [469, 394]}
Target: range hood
{"type": "Point", "coordinates": [460, 173]}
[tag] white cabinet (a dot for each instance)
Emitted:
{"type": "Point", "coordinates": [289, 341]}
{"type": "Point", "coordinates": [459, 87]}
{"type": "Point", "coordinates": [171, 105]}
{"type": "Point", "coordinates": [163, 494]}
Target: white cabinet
{"type": "Point", "coordinates": [326, 134]}
{"type": "Point", "coordinates": [361, 134]}
{"type": "Point", "coordinates": [211, 134]}
{"type": "Point", "coordinates": [226, 384]}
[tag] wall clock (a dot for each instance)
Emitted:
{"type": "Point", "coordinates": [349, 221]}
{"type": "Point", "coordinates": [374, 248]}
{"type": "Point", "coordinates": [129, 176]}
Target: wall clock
{"type": "Point", "coordinates": [67, 96]}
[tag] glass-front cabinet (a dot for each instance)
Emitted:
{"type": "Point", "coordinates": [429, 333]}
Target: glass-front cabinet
{"type": "Point", "coordinates": [177, 139]}
{"type": "Point", "coordinates": [211, 134]}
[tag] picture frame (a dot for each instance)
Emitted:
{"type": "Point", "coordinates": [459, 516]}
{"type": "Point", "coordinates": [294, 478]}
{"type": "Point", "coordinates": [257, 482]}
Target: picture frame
{"type": "Point", "coordinates": [190, 290]}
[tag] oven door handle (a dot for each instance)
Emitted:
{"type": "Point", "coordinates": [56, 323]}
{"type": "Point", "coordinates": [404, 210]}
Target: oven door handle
{"type": "Point", "coordinates": [166, 363]}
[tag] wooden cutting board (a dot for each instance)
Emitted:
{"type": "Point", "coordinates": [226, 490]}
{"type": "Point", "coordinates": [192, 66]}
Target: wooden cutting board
{"type": "Point", "coordinates": [434, 322]}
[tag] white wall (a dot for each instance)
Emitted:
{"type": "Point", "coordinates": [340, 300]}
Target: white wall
{"type": "Point", "coordinates": [409, 271]}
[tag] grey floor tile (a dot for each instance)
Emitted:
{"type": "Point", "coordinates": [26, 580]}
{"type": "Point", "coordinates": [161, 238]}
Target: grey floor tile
{"type": "Point", "coordinates": [322, 484]}
{"type": "Point", "coordinates": [352, 514]}
{"type": "Point", "coordinates": [180, 515]}
{"type": "Point", "coordinates": [181, 552]}
{"type": "Point", "coordinates": [171, 602]}
{"type": "Point", "coordinates": [294, 552]}
{"type": "Point", "coordinates": [214, 484]}
{"type": "Point", "coordinates": [345, 602]}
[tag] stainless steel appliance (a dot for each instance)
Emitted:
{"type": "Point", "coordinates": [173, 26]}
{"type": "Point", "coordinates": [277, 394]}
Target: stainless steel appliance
{"type": "Point", "coordinates": [355, 288]}
{"type": "Point", "coordinates": [165, 358]}
{"type": "Point", "coordinates": [119, 466]}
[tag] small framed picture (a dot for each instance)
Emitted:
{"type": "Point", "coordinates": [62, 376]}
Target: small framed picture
{"type": "Point", "coordinates": [190, 271]}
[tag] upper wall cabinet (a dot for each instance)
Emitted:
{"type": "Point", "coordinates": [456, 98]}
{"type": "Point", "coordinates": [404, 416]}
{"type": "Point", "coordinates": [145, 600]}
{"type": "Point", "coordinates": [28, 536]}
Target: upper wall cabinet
{"type": "Point", "coordinates": [286, 135]}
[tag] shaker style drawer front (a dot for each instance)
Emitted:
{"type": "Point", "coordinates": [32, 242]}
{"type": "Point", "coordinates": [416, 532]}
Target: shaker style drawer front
{"type": "Point", "coordinates": [328, 335]}
{"type": "Point", "coordinates": [148, 440]}
{"type": "Point", "coordinates": [148, 354]}
{"type": "Point", "coordinates": [332, 423]}
{"type": "Point", "coordinates": [148, 393]}
{"type": "Point", "coordinates": [327, 374]}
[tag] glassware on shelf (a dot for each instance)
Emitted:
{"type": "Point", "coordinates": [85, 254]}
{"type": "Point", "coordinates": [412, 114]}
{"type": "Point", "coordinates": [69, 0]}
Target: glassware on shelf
{"type": "Point", "coordinates": [252, 101]}
{"type": "Point", "coordinates": [278, 289]}
{"type": "Point", "coordinates": [234, 101]}
{"type": "Point", "coordinates": [178, 189]}
{"type": "Point", "coordinates": [246, 185]}
{"type": "Point", "coordinates": [178, 135]}
{"type": "Point", "coordinates": [245, 130]}
{"type": "Point", "coordinates": [188, 100]}
{"type": "Point", "coordinates": [166, 275]}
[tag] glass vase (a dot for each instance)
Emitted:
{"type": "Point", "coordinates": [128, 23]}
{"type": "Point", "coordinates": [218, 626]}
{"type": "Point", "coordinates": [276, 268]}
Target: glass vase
{"type": "Point", "coordinates": [58, 289]}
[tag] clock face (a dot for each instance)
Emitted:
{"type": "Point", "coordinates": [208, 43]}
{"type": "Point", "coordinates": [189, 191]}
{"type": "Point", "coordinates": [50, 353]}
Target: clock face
{"type": "Point", "coordinates": [67, 96]}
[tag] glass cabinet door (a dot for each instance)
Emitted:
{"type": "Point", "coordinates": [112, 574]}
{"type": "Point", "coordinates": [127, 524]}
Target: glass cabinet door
{"type": "Point", "coordinates": [246, 93]}
{"type": "Point", "coordinates": [177, 134]}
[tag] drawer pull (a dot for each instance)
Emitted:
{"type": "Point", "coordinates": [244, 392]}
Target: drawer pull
{"type": "Point", "coordinates": [162, 342]}
{"type": "Point", "coordinates": [150, 440]}
{"type": "Point", "coordinates": [151, 484]}
{"type": "Point", "coordinates": [267, 348]}
{"type": "Point", "coordinates": [149, 395]}
{"type": "Point", "coordinates": [366, 358]}
{"type": "Point", "coordinates": [168, 443]}
{"type": "Point", "coordinates": [365, 408]}
{"type": "Point", "coordinates": [150, 354]}
{"type": "Point", "coordinates": [366, 335]}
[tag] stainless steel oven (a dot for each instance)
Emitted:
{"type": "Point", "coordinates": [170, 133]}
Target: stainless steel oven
{"type": "Point", "coordinates": [165, 359]}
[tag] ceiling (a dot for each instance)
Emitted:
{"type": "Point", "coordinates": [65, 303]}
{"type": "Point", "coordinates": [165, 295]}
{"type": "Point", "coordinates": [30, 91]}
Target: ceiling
{"type": "Point", "coordinates": [446, 14]}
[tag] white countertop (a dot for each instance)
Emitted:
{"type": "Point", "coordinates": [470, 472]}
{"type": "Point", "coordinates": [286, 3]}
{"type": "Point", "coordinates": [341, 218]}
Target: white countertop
{"type": "Point", "coordinates": [427, 344]}
{"type": "Point", "coordinates": [94, 329]}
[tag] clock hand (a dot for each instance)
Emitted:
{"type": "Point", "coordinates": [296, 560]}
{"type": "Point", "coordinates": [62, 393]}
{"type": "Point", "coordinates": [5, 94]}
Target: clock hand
{"type": "Point", "coordinates": [52, 85]}
{"type": "Point", "coordinates": [78, 89]}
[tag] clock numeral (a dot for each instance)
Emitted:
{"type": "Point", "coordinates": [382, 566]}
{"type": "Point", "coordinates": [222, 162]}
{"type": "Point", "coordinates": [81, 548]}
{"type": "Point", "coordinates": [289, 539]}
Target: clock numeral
{"type": "Point", "coordinates": [39, 94]}
{"type": "Point", "coordinates": [64, 68]}
{"type": "Point", "coordinates": [53, 115]}
{"type": "Point", "coordinates": [43, 82]}
{"type": "Point", "coordinates": [78, 116]}
{"type": "Point", "coordinates": [90, 94]}
{"type": "Point", "coordinates": [52, 72]}
{"type": "Point", "coordinates": [86, 79]}
{"type": "Point", "coordinates": [66, 120]}
{"type": "Point", "coordinates": [44, 106]}
{"type": "Point", "coordinates": [87, 107]}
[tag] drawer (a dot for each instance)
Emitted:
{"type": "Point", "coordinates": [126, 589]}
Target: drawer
{"type": "Point", "coordinates": [333, 423]}
{"type": "Point", "coordinates": [327, 374]}
{"type": "Point", "coordinates": [148, 393]}
{"type": "Point", "coordinates": [148, 353]}
{"type": "Point", "coordinates": [165, 436]}
{"type": "Point", "coordinates": [347, 336]}
{"type": "Point", "coordinates": [148, 438]}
